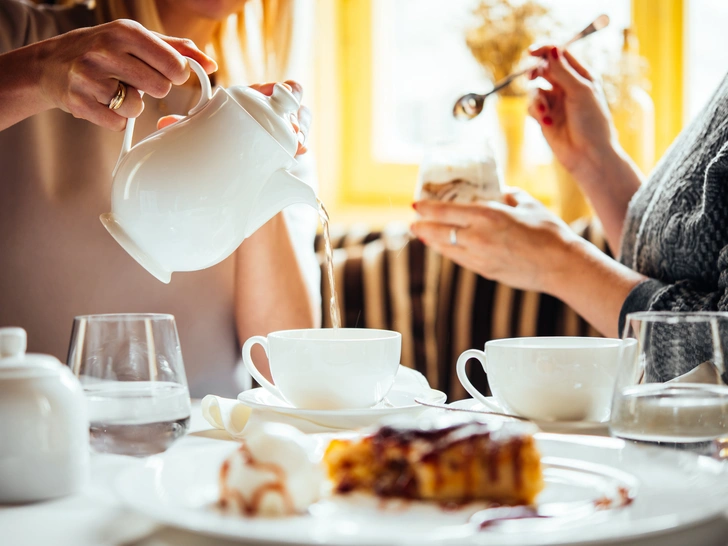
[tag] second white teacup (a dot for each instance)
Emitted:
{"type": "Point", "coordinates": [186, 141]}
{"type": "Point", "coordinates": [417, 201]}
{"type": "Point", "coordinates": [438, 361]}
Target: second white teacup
{"type": "Point", "coordinates": [328, 369]}
{"type": "Point", "coordinates": [548, 378]}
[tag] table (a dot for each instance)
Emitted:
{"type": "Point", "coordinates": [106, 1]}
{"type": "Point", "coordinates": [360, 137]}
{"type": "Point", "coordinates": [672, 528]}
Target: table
{"type": "Point", "coordinates": [95, 517]}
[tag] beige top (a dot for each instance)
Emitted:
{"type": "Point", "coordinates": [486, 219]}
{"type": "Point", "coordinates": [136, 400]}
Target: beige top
{"type": "Point", "coordinates": [57, 260]}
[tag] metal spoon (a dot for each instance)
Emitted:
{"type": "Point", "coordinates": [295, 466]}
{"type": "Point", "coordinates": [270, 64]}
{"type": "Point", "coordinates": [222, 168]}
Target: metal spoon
{"type": "Point", "coordinates": [470, 105]}
{"type": "Point", "coordinates": [450, 408]}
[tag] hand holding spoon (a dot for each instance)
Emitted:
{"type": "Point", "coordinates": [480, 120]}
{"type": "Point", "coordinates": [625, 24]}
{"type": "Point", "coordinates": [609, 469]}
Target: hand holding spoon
{"type": "Point", "coordinates": [470, 105]}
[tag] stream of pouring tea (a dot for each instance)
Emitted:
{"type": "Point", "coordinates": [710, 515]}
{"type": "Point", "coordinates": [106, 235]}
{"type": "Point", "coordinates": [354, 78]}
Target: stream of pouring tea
{"type": "Point", "coordinates": [329, 252]}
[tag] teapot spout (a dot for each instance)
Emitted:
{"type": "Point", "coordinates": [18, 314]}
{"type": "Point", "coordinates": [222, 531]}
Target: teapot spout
{"type": "Point", "coordinates": [281, 190]}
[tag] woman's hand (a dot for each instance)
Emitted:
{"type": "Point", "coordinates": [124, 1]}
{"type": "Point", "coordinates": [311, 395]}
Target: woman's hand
{"type": "Point", "coordinates": [573, 115]}
{"type": "Point", "coordinates": [301, 122]}
{"type": "Point", "coordinates": [79, 71]}
{"type": "Point", "coordinates": [576, 123]}
{"type": "Point", "coordinates": [519, 243]}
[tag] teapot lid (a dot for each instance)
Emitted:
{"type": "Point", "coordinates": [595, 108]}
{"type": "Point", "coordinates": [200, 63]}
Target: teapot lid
{"type": "Point", "coordinates": [16, 364]}
{"type": "Point", "coordinates": [272, 113]}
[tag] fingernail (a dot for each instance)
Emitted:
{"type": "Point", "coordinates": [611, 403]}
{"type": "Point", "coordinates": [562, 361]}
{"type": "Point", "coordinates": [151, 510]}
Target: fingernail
{"type": "Point", "coordinates": [555, 52]}
{"type": "Point", "coordinates": [541, 108]}
{"type": "Point", "coordinates": [414, 206]}
{"type": "Point", "coordinates": [547, 121]}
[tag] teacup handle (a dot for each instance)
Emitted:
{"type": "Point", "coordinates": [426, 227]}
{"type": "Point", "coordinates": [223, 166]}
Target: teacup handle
{"type": "Point", "coordinates": [463, 376]}
{"type": "Point", "coordinates": [252, 370]}
{"type": "Point", "coordinates": [205, 97]}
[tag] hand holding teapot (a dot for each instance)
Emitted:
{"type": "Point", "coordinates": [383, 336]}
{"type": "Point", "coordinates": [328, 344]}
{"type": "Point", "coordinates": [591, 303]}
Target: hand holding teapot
{"type": "Point", "coordinates": [185, 197]}
{"type": "Point", "coordinates": [301, 122]}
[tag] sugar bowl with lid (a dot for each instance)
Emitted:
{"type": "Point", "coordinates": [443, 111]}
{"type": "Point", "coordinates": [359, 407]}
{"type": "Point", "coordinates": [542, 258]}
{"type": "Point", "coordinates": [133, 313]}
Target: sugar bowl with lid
{"type": "Point", "coordinates": [44, 427]}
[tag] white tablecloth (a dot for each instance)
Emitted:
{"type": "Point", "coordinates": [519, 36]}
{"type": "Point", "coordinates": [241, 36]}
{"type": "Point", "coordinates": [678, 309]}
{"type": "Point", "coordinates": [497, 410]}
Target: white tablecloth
{"type": "Point", "coordinates": [95, 518]}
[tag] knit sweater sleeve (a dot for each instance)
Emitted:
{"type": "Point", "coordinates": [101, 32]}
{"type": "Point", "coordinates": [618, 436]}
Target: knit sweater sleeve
{"type": "Point", "coordinates": [689, 295]}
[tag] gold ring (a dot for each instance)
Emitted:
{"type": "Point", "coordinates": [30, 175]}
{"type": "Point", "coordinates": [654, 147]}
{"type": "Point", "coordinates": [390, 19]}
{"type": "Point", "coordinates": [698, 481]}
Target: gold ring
{"type": "Point", "coordinates": [118, 99]}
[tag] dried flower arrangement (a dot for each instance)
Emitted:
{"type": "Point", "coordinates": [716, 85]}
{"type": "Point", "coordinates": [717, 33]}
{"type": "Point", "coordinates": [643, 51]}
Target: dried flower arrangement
{"type": "Point", "coordinates": [504, 32]}
{"type": "Point", "coordinates": [629, 69]}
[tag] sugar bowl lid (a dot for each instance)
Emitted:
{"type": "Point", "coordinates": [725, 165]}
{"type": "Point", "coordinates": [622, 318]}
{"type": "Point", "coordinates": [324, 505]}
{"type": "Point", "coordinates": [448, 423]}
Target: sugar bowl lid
{"type": "Point", "coordinates": [15, 363]}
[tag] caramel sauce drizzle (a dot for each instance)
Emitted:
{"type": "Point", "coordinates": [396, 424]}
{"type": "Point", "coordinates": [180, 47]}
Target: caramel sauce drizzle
{"type": "Point", "coordinates": [252, 507]}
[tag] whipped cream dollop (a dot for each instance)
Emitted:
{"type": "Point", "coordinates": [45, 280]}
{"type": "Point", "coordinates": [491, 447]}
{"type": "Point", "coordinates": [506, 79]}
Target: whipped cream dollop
{"type": "Point", "coordinates": [274, 473]}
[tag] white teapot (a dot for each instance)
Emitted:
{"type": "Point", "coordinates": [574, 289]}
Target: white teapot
{"type": "Point", "coordinates": [185, 197]}
{"type": "Point", "coordinates": [44, 427]}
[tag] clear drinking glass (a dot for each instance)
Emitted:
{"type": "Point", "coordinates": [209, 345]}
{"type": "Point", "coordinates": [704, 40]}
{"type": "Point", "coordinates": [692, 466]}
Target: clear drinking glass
{"type": "Point", "coordinates": [671, 386]}
{"type": "Point", "coordinates": [131, 369]}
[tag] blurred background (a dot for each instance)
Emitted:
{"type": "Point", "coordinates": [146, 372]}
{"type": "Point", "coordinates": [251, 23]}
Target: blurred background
{"type": "Point", "coordinates": [385, 73]}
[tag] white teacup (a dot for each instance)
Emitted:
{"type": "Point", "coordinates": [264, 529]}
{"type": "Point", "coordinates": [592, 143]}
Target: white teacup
{"type": "Point", "coordinates": [548, 378]}
{"type": "Point", "coordinates": [328, 369]}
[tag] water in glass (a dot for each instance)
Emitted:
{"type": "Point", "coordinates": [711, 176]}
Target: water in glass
{"type": "Point", "coordinates": [137, 417]}
{"type": "Point", "coordinates": [670, 388]}
{"type": "Point", "coordinates": [131, 368]}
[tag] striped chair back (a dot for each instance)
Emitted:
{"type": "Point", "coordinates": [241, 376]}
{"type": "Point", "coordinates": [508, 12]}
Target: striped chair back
{"type": "Point", "coordinates": [389, 280]}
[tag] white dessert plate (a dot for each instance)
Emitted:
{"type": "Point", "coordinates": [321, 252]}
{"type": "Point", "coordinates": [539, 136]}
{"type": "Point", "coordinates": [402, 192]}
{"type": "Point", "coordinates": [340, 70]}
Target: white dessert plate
{"type": "Point", "coordinates": [408, 385]}
{"type": "Point", "coordinates": [557, 427]}
{"type": "Point", "coordinates": [670, 489]}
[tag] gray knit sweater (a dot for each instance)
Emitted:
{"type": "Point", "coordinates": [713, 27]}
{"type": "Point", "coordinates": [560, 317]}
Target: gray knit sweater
{"type": "Point", "coordinates": [676, 230]}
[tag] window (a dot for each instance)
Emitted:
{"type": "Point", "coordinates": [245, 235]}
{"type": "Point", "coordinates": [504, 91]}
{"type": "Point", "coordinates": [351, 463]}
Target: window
{"type": "Point", "coordinates": [706, 51]}
{"type": "Point", "coordinates": [401, 63]}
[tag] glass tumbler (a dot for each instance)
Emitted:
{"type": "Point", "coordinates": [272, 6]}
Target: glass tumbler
{"type": "Point", "coordinates": [131, 369]}
{"type": "Point", "coordinates": [671, 386]}
{"type": "Point", "coordinates": [456, 171]}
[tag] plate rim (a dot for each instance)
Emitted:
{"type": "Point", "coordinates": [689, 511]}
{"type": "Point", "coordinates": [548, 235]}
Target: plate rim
{"type": "Point", "coordinates": [652, 526]}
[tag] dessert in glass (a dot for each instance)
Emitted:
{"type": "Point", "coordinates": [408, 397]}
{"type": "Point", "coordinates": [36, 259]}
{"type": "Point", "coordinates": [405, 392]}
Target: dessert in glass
{"type": "Point", "coordinates": [460, 173]}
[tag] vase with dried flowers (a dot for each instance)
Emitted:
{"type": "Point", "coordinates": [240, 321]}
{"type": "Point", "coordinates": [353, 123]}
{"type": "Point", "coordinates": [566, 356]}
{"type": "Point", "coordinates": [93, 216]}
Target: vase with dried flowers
{"type": "Point", "coordinates": [499, 41]}
{"type": "Point", "coordinates": [626, 88]}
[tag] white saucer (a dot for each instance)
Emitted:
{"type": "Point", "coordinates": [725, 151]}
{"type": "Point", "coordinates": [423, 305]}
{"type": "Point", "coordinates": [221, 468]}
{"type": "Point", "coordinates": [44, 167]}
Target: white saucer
{"type": "Point", "coordinates": [559, 427]}
{"type": "Point", "coordinates": [400, 400]}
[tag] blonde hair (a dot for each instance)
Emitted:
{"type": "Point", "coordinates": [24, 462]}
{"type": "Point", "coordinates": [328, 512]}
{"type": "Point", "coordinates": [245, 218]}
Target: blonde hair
{"type": "Point", "coordinates": [252, 45]}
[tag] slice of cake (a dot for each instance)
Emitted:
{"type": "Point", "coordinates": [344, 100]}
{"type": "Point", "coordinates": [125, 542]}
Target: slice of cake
{"type": "Point", "coordinates": [453, 462]}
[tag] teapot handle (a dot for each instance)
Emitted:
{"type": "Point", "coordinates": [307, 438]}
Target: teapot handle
{"type": "Point", "coordinates": [205, 97]}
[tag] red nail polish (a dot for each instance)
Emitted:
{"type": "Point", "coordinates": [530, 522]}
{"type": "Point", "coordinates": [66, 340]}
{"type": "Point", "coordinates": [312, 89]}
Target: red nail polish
{"type": "Point", "coordinates": [554, 53]}
{"type": "Point", "coordinates": [541, 108]}
{"type": "Point", "coordinates": [547, 121]}
{"type": "Point", "coordinates": [414, 206]}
